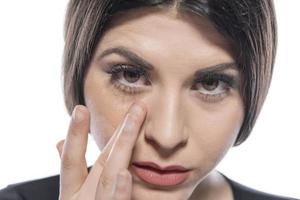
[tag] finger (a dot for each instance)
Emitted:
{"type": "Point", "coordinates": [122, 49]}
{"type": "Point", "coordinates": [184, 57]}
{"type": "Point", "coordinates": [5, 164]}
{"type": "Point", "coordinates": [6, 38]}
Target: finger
{"type": "Point", "coordinates": [99, 164]}
{"type": "Point", "coordinates": [121, 152]}
{"type": "Point", "coordinates": [59, 146]}
{"type": "Point", "coordinates": [101, 160]}
{"type": "Point", "coordinates": [73, 162]}
{"type": "Point", "coordinates": [123, 186]}
{"type": "Point", "coordinates": [91, 182]}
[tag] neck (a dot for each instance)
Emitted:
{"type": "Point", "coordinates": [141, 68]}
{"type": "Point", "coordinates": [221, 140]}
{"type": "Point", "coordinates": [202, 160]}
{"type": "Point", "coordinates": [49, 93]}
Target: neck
{"type": "Point", "coordinates": [214, 186]}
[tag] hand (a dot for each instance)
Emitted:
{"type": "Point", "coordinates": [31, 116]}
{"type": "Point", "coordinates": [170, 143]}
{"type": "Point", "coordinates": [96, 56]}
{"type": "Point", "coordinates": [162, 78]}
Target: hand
{"type": "Point", "coordinates": [109, 177]}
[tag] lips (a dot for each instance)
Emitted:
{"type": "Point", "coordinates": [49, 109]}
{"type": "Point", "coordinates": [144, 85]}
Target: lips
{"type": "Point", "coordinates": [154, 174]}
{"type": "Point", "coordinates": [155, 166]}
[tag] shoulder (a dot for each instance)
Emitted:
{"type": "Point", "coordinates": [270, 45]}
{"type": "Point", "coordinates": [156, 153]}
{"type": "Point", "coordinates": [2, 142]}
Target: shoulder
{"type": "Point", "coordinates": [45, 188]}
{"type": "Point", "coordinates": [39, 189]}
{"type": "Point", "coordinates": [243, 192]}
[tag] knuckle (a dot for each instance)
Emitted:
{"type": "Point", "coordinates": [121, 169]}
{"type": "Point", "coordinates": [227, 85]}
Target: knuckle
{"type": "Point", "coordinates": [67, 162]}
{"type": "Point", "coordinates": [121, 188]}
{"type": "Point", "coordinates": [131, 123]}
{"type": "Point", "coordinates": [75, 129]}
{"type": "Point", "coordinates": [123, 184]}
{"type": "Point", "coordinates": [101, 162]}
{"type": "Point", "coordinates": [105, 182]}
{"type": "Point", "coordinates": [131, 126]}
{"type": "Point", "coordinates": [122, 143]}
{"type": "Point", "coordinates": [125, 139]}
{"type": "Point", "coordinates": [126, 131]}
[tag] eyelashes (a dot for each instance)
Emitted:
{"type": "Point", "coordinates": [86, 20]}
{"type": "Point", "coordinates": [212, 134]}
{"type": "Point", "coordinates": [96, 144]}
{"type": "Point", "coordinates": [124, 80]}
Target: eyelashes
{"type": "Point", "coordinates": [128, 78]}
{"type": "Point", "coordinates": [210, 86]}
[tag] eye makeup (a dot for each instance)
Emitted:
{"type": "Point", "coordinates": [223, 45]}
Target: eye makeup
{"type": "Point", "coordinates": [131, 80]}
{"type": "Point", "coordinates": [117, 72]}
{"type": "Point", "coordinates": [229, 79]}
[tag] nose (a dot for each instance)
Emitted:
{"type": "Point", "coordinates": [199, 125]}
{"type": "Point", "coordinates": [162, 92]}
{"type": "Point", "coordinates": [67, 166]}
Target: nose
{"type": "Point", "coordinates": [166, 126]}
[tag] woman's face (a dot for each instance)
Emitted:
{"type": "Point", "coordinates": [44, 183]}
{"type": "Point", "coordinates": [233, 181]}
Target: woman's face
{"type": "Point", "coordinates": [192, 120]}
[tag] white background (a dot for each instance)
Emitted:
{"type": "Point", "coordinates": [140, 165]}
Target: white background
{"type": "Point", "coordinates": [33, 117]}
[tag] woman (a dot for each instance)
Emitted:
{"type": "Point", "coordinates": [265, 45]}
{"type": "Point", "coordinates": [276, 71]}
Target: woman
{"type": "Point", "coordinates": [166, 88]}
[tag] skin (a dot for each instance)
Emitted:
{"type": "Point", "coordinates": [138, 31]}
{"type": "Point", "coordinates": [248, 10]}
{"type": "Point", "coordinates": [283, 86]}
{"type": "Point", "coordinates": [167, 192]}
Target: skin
{"type": "Point", "coordinates": [177, 125]}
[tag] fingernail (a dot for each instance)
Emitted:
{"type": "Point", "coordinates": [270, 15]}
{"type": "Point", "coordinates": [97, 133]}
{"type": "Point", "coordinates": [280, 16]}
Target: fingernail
{"type": "Point", "coordinates": [77, 115]}
{"type": "Point", "coordinates": [136, 109]}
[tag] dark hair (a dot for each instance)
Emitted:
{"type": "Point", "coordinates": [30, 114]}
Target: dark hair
{"type": "Point", "coordinates": [250, 26]}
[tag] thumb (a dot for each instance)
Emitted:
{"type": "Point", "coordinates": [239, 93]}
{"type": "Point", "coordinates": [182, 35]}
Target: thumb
{"type": "Point", "coordinates": [59, 146]}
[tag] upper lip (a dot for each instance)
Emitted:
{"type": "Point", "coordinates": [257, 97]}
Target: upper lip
{"type": "Point", "coordinates": [153, 165]}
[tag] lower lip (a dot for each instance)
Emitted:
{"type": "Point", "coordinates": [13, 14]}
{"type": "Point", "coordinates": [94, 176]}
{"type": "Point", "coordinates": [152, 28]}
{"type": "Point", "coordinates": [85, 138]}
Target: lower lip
{"type": "Point", "coordinates": [160, 178]}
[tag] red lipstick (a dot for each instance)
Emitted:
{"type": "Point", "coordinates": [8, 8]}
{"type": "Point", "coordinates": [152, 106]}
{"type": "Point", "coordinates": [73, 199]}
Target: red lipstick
{"type": "Point", "coordinates": [152, 173]}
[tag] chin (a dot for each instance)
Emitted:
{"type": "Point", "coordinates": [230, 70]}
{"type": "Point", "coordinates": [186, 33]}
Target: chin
{"type": "Point", "coordinates": [140, 192]}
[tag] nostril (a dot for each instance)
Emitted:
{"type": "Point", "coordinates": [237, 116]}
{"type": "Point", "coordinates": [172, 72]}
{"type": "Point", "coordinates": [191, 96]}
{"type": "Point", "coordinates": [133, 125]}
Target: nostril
{"type": "Point", "coordinates": [165, 129]}
{"type": "Point", "coordinates": [165, 147]}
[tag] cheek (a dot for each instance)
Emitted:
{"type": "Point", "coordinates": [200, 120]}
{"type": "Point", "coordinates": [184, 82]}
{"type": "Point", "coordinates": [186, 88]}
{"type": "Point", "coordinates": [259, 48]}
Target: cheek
{"type": "Point", "coordinates": [106, 109]}
{"type": "Point", "coordinates": [101, 129]}
{"type": "Point", "coordinates": [215, 131]}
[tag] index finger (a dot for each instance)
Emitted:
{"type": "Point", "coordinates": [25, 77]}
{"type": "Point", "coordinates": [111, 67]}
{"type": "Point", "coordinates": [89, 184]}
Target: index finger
{"type": "Point", "coordinates": [123, 145]}
{"type": "Point", "coordinates": [101, 160]}
{"type": "Point", "coordinates": [98, 166]}
{"type": "Point", "coordinates": [120, 154]}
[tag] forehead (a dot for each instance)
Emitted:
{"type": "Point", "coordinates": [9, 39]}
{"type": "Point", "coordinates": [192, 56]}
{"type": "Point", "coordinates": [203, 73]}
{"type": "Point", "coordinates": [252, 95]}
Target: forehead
{"type": "Point", "coordinates": [168, 33]}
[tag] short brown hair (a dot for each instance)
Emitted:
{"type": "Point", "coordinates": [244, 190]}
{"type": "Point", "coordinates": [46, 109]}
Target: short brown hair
{"type": "Point", "coordinates": [250, 25]}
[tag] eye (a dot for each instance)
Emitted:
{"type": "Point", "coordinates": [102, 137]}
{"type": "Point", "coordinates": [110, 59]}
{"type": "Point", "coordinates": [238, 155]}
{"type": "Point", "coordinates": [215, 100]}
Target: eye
{"type": "Point", "coordinates": [128, 78]}
{"type": "Point", "coordinates": [210, 86]}
{"type": "Point", "coordinates": [213, 87]}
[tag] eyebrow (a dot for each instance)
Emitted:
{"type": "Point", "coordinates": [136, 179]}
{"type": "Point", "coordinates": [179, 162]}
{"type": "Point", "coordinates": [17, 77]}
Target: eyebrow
{"type": "Point", "coordinates": [134, 58]}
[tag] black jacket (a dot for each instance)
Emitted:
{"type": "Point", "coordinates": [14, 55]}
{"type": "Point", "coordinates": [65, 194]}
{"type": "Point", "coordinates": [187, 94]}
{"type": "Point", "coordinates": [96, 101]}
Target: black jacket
{"type": "Point", "coordinates": [48, 189]}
